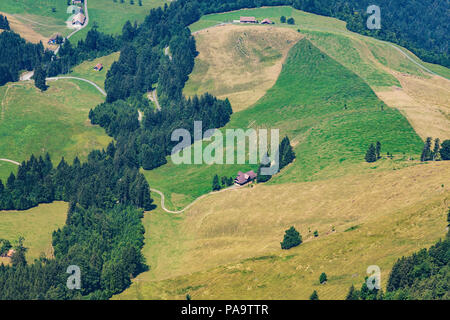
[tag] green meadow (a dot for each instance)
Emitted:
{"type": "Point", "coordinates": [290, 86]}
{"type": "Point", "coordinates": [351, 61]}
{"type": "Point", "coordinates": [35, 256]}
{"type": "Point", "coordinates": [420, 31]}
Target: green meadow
{"type": "Point", "coordinates": [330, 114]}
{"type": "Point", "coordinates": [54, 121]}
{"type": "Point", "coordinates": [38, 14]}
{"type": "Point", "coordinates": [110, 16]}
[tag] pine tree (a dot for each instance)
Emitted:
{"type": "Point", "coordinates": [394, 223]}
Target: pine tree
{"type": "Point", "coordinates": [314, 296]}
{"type": "Point", "coordinates": [287, 154]}
{"type": "Point", "coordinates": [39, 79]}
{"type": "Point", "coordinates": [426, 152]}
{"type": "Point", "coordinates": [216, 185]}
{"type": "Point", "coordinates": [437, 146]}
{"type": "Point", "coordinates": [292, 238]}
{"type": "Point", "coordinates": [323, 278]}
{"type": "Point", "coordinates": [378, 149]}
{"type": "Point", "coordinates": [445, 150]}
{"type": "Point", "coordinates": [352, 294]}
{"type": "Point", "coordinates": [371, 155]}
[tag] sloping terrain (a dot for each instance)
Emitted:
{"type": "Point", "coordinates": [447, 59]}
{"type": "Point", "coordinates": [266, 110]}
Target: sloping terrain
{"type": "Point", "coordinates": [239, 62]}
{"type": "Point", "coordinates": [35, 225]}
{"type": "Point", "coordinates": [330, 114]}
{"type": "Point", "coordinates": [227, 246]}
{"type": "Point", "coordinates": [54, 121]}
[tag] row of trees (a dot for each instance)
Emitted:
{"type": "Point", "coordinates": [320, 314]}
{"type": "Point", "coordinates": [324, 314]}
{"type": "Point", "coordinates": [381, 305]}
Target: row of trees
{"type": "Point", "coordinates": [437, 152]}
{"type": "Point", "coordinates": [4, 23]}
{"type": "Point", "coordinates": [103, 234]}
{"type": "Point", "coordinates": [16, 55]}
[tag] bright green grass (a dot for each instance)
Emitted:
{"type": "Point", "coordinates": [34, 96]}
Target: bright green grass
{"type": "Point", "coordinates": [35, 225]}
{"type": "Point", "coordinates": [55, 121]}
{"type": "Point", "coordinates": [303, 20]}
{"type": "Point", "coordinates": [307, 103]}
{"type": "Point", "coordinates": [111, 16]}
{"type": "Point", "coordinates": [86, 70]}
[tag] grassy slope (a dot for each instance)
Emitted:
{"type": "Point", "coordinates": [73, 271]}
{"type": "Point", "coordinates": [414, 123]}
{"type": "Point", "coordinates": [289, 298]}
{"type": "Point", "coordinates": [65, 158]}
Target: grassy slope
{"type": "Point", "coordinates": [35, 225]}
{"type": "Point", "coordinates": [111, 16]}
{"type": "Point", "coordinates": [85, 70]}
{"type": "Point", "coordinates": [229, 52]}
{"type": "Point", "coordinates": [38, 14]}
{"type": "Point", "coordinates": [228, 248]}
{"type": "Point", "coordinates": [307, 103]}
{"type": "Point", "coordinates": [55, 121]}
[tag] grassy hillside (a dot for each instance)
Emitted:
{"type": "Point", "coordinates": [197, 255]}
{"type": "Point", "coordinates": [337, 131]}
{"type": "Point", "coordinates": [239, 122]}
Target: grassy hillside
{"type": "Point", "coordinates": [86, 70]}
{"type": "Point", "coordinates": [54, 121]}
{"type": "Point", "coordinates": [227, 246]}
{"type": "Point", "coordinates": [38, 15]}
{"type": "Point", "coordinates": [307, 103]}
{"type": "Point", "coordinates": [35, 225]}
{"type": "Point", "coordinates": [110, 16]}
{"type": "Point", "coordinates": [239, 62]}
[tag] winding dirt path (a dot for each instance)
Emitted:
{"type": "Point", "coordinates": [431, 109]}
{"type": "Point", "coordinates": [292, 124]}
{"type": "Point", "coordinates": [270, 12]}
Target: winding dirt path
{"type": "Point", "coordinates": [233, 187]}
{"type": "Point", "coordinates": [11, 161]}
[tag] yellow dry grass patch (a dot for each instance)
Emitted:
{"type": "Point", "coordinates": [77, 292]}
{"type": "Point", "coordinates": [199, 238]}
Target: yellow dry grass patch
{"type": "Point", "coordinates": [424, 102]}
{"type": "Point", "coordinates": [36, 225]}
{"type": "Point", "coordinates": [26, 32]}
{"type": "Point", "coordinates": [396, 213]}
{"type": "Point", "coordinates": [239, 62]}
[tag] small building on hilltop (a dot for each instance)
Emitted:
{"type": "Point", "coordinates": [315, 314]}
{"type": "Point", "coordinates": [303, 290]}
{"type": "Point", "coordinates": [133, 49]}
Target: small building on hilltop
{"type": "Point", "coordinates": [248, 20]}
{"type": "Point", "coordinates": [98, 67]}
{"type": "Point", "coordinates": [79, 19]}
{"type": "Point", "coordinates": [244, 178]}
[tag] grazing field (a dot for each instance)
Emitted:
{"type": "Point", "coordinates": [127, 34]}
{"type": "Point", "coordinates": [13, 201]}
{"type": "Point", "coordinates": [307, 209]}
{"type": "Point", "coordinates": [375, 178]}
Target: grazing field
{"type": "Point", "coordinates": [331, 116]}
{"type": "Point", "coordinates": [86, 70]}
{"type": "Point", "coordinates": [110, 16]}
{"type": "Point", "coordinates": [239, 62]}
{"type": "Point", "coordinates": [36, 225]}
{"type": "Point", "coordinates": [227, 246]}
{"type": "Point", "coordinates": [54, 121]}
{"type": "Point", "coordinates": [38, 15]}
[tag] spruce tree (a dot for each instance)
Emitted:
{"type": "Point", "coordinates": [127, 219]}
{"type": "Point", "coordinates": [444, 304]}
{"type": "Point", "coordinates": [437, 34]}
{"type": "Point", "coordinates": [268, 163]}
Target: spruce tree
{"type": "Point", "coordinates": [292, 238]}
{"type": "Point", "coordinates": [216, 184]}
{"type": "Point", "coordinates": [323, 278]}
{"type": "Point", "coordinates": [39, 79]}
{"type": "Point", "coordinates": [378, 149]}
{"type": "Point", "coordinates": [314, 296]}
{"type": "Point", "coordinates": [437, 146]}
{"type": "Point", "coordinates": [352, 294]}
{"type": "Point", "coordinates": [445, 150]}
{"type": "Point", "coordinates": [426, 152]}
{"type": "Point", "coordinates": [371, 155]}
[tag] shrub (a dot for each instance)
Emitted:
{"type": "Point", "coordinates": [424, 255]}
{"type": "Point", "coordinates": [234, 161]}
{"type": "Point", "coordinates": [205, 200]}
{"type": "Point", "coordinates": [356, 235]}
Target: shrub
{"type": "Point", "coordinates": [292, 238]}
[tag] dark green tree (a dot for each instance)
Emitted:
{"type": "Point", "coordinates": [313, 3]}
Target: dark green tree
{"type": "Point", "coordinates": [314, 296]}
{"type": "Point", "coordinates": [39, 78]}
{"type": "Point", "coordinates": [437, 147]}
{"type": "Point", "coordinates": [291, 21]}
{"type": "Point", "coordinates": [352, 294]}
{"type": "Point", "coordinates": [445, 150]}
{"type": "Point", "coordinates": [216, 184]}
{"type": "Point", "coordinates": [426, 152]}
{"type": "Point", "coordinates": [18, 258]}
{"type": "Point", "coordinates": [283, 19]}
{"type": "Point", "coordinates": [292, 238]}
{"type": "Point", "coordinates": [323, 278]}
{"type": "Point", "coordinates": [378, 149]}
{"type": "Point", "coordinates": [371, 155]}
